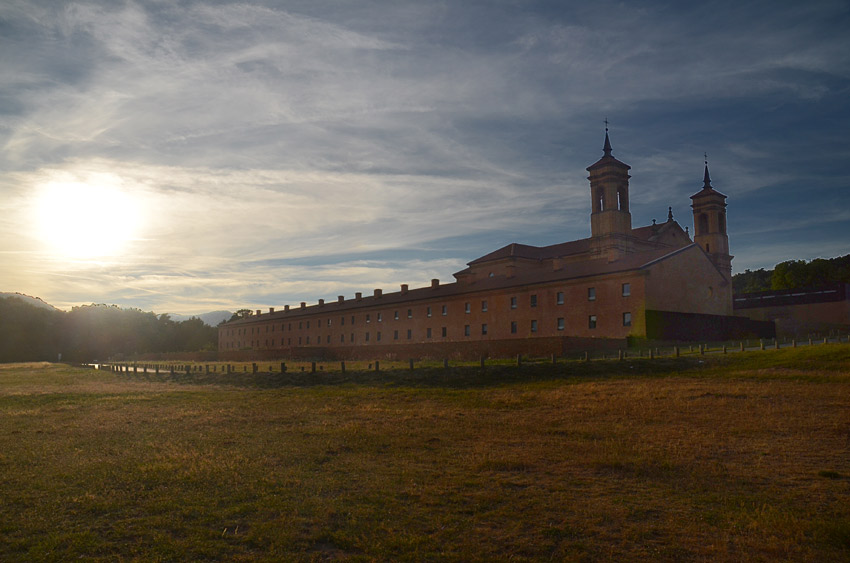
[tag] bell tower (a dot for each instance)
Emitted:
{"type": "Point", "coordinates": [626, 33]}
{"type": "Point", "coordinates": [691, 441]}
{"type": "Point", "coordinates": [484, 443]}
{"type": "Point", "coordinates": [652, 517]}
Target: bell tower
{"type": "Point", "coordinates": [709, 207]}
{"type": "Point", "coordinates": [610, 219]}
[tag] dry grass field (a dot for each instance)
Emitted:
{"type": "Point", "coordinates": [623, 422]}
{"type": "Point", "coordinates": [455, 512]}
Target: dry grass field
{"type": "Point", "coordinates": [740, 457]}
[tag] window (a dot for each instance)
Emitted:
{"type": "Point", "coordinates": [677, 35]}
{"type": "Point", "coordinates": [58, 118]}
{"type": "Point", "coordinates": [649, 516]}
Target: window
{"type": "Point", "coordinates": [513, 327]}
{"type": "Point", "coordinates": [342, 321]}
{"type": "Point", "coordinates": [395, 335]}
{"type": "Point", "coordinates": [560, 324]}
{"type": "Point", "coordinates": [368, 318]}
{"type": "Point", "coordinates": [533, 326]}
{"type": "Point", "coordinates": [352, 319]}
{"type": "Point", "coordinates": [466, 308]}
{"type": "Point", "coordinates": [428, 333]}
{"type": "Point", "coordinates": [329, 339]}
{"type": "Point", "coordinates": [445, 310]}
{"type": "Point", "coordinates": [409, 334]}
{"type": "Point", "coordinates": [299, 341]}
{"type": "Point", "coordinates": [308, 324]}
{"type": "Point", "coordinates": [483, 329]}
{"type": "Point", "coordinates": [410, 313]}
{"type": "Point", "coordinates": [627, 319]}
{"type": "Point", "coordinates": [466, 330]}
{"type": "Point", "coordinates": [591, 321]}
{"type": "Point", "coordinates": [513, 302]}
{"type": "Point", "coordinates": [380, 317]}
{"type": "Point", "coordinates": [367, 337]}
{"type": "Point", "coordinates": [559, 298]}
{"type": "Point", "coordinates": [300, 325]}
{"type": "Point", "coordinates": [444, 332]}
{"type": "Point", "coordinates": [352, 337]}
{"type": "Point", "coordinates": [342, 338]}
{"type": "Point", "coordinates": [428, 312]}
{"type": "Point", "coordinates": [484, 306]}
{"type": "Point", "coordinates": [308, 340]}
{"type": "Point", "coordinates": [627, 289]}
{"type": "Point", "coordinates": [534, 301]}
{"type": "Point", "coordinates": [395, 315]}
{"type": "Point", "coordinates": [591, 294]}
{"type": "Point", "coordinates": [378, 336]}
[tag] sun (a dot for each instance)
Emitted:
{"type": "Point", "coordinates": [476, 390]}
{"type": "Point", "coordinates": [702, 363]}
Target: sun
{"type": "Point", "coordinates": [80, 220]}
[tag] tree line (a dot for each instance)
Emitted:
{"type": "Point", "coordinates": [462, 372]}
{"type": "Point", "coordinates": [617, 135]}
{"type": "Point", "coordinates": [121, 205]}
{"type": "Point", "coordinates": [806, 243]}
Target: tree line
{"type": "Point", "coordinates": [94, 332]}
{"type": "Point", "coordinates": [794, 274]}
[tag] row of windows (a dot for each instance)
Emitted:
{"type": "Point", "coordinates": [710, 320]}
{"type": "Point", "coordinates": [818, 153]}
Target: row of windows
{"type": "Point", "coordinates": [467, 331]}
{"type": "Point", "coordinates": [559, 300]}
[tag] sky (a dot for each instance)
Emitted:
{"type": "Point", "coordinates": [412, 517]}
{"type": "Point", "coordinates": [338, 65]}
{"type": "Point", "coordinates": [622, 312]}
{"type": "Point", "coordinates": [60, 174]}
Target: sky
{"type": "Point", "coordinates": [183, 157]}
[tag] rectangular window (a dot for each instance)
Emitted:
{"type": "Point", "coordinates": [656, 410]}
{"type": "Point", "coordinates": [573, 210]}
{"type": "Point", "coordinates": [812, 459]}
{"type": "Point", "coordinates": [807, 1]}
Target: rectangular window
{"type": "Point", "coordinates": [533, 326]}
{"type": "Point", "coordinates": [445, 310]}
{"type": "Point", "coordinates": [367, 337]}
{"type": "Point", "coordinates": [395, 315]}
{"type": "Point", "coordinates": [483, 329]}
{"type": "Point", "coordinates": [342, 338]}
{"type": "Point", "coordinates": [352, 320]}
{"type": "Point", "coordinates": [308, 324]}
{"type": "Point", "coordinates": [627, 319]}
{"type": "Point", "coordinates": [308, 340]}
{"type": "Point", "coordinates": [513, 302]}
{"type": "Point", "coordinates": [560, 323]}
{"type": "Point", "coordinates": [409, 334]}
{"type": "Point", "coordinates": [329, 339]}
{"type": "Point", "coordinates": [467, 308]}
{"type": "Point", "coordinates": [329, 322]}
{"type": "Point", "coordinates": [484, 306]}
{"type": "Point", "coordinates": [299, 341]}
{"type": "Point", "coordinates": [627, 289]}
{"type": "Point", "coordinates": [352, 337]}
{"type": "Point", "coordinates": [380, 317]}
{"type": "Point", "coordinates": [534, 301]}
{"type": "Point", "coordinates": [342, 321]}
{"type": "Point", "coordinates": [559, 298]}
{"type": "Point", "coordinates": [591, 294]}
{"type": "Point", "coordinates": [591, 321]}
{"type": "Point", "coordinates": [300, 325]}
{"type": "Point", "coordinates": [410, 313]}
{"type": "Point", "coordinates": [378, 336]}
{"type": "Point", "coordinates": [466, 330]}
{"type": "Point", "coordinates": [428, 312]}
{"type": "Point", "coordinates": [395, 335]}
{"type": "Point", "coordinates": [368, 317]}
{"type": "Point", "coordinates": [444, 332]}
{"type": "Point", "coordinates": [513, 327]}
{"type": "Point", "coordinates": [428, 333]}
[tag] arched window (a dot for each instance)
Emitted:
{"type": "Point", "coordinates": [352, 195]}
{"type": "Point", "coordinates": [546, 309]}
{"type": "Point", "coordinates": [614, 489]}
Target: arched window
{"type": "Point", "coordinates": [703, 224]}
{"type": "Point", "coordinates": [600, 200]}
{"type": "Point", "coordinates": [721, 223]}
{"type": "Point", "coordinates": [622, 199]}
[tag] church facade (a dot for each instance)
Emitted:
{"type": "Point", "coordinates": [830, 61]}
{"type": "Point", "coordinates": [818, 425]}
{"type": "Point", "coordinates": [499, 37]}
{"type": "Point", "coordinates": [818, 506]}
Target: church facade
{"type": "Point", "coordinates": [622, 282]}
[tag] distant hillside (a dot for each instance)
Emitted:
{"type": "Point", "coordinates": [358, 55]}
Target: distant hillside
{"type": "Point", "coordinates": [794, 274]}
{"type": "Point", "coordinates": [35, 301]}
{"type": "Point", "coordinates": [213, 318]}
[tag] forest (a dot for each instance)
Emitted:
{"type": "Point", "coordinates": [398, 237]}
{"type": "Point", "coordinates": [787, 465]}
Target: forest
{"type": "Point", "coordinates": [93, 332]}
{"type": "Point", "coordinates": [794, 274]}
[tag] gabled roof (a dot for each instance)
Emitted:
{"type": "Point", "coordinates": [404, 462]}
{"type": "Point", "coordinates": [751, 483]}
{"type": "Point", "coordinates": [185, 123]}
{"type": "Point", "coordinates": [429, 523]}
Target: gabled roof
{"type": "Point", "coordinates": [527, 252]}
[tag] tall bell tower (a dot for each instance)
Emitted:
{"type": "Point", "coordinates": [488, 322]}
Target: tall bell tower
{"type": "Point", "coordinates": [610, 219]}
{"type": "Point", "coordinates": [709, 207]}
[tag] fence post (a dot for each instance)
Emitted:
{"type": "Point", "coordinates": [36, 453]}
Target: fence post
{"type": "Point", "coordinates": [411, 364]}
{"type": "Point", "coordinates": [761, 343]}
{"type": "Point", "coordinates": [518, 360]}
{"type": "Point", "coordinates": [620, 355]}
{"type": "Point", "coordinates": [724, 348]}
{"type": "Point", "coordinates": [342, 366]}
{"type": "Point", "coordinates": [826, 340]}
{"type": "Point", "coordinates": [651, 354]}
{"type": "Point", "coordinates": [794, 343]}
{"type": "Point", "coordinates": [742, 345]}
{"type": "Point", "coordinates": [377, 365]}
{"type": "Point", "coordinates": [702, 349]}
{"type": "Point", "coordinates": [554, 359]}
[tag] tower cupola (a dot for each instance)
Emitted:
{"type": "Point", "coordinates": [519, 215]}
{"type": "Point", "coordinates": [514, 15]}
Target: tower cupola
{"type": "Point", "coordinates": [709, 207]}
{"type": "Point", "coordinates": [610, 219]}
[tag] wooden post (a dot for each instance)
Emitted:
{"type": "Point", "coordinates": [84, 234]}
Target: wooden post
{"type": "Point", "coordinates": [620, 355]}
{"type": "Point", "coordinates": [651, 354]}
{"type": "Point", "coordinates": [411, 363]}
{"type": "Point", "coordinates": [377, 365]}
{"type": "Point", "coordinates": [587, 356]}
{"type": "Point", "coordinates": [702, 349]}
{"type": "Point", "coordinates": [761, 343]}
{"type": "Point", "coordinates": [554, 359]}
{"type": "Point", "coordinates": [826, 340]}
{"type": "Point", "coordinates": [342, 366]}
{"type": "Point", "coordinates": [794, 343]}
{"type": "Point", "coordinates": [724, 348]}
{"type": "Point", "coordinates": [742, 345]}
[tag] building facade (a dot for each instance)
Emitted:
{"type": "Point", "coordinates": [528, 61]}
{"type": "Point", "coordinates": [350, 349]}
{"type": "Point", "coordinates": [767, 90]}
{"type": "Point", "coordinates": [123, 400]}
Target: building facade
{"type": "Point", "coordinates": [621, 282]}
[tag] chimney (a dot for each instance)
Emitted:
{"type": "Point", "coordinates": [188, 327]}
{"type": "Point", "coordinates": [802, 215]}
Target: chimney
{"type": "Point", "coordinates": [403, 288]}
{"type": "Point", "coordinates": [358, 296]}
{"type": "Point", "coordinates": [321, 302]}
{"type": "Point", "coordinates": [259, 312]}
{"type": "Point", "coordinates": [271, 310]}
{"type": "Point", "coordinates": [378, 293]}
{"type": "Point", "coordinates": [435, 283]}
{"type": "Point", "coordinates": [286, 308]}
{"type": "Point", "coordinates": [303, 304]}
{"type": "Point", "coordinates": [340, 298]}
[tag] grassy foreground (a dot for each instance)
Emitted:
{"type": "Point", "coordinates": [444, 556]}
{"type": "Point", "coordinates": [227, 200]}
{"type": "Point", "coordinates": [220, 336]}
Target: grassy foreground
{"type": "Point", "coordinates": [741, 457]}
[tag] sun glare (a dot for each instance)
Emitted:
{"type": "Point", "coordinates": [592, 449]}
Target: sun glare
{"type": "Point", "coordinates": [85, 220]}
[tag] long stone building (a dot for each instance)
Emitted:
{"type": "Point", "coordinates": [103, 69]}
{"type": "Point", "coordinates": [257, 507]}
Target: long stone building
{"type": "Point", "coordinates": [650, 282]}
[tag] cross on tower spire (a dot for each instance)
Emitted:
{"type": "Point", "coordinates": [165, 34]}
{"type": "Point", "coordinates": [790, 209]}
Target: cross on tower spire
{"type": "Point", "coordinates": [607, 148]}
